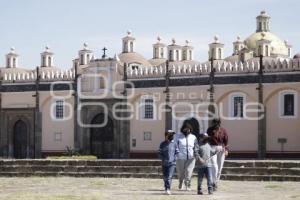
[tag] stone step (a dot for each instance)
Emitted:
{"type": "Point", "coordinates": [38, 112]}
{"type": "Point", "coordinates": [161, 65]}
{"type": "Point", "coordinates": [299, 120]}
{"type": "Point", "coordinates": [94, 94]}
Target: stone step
{"type": "Point", "coordinates": [133, 162]}
{"type": "Point", "coordinates": [102, 162]}
{"type": "Point", "coordinates": [52, 168]}
{"type": "Point", "coordinates": [143, 169]}
{"type": "Point", "coordinates": [263, 163]}
{"type": "Point", "coordinates": [232, 177]}
{"type": "Point", "coordinates": [242, 177]}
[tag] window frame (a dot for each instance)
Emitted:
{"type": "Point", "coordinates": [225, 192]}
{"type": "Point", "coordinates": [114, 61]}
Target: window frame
{"type": "Point", "coordinates": [231, 104]}
{"type": "Point", "coordinates": [58, 116]}
{"type": "Point", "coordinates": [149, 136]}
{"type": "Point", "coordinates": [142, 108]}
{"type": "Point", "coordinates": [281, 104]}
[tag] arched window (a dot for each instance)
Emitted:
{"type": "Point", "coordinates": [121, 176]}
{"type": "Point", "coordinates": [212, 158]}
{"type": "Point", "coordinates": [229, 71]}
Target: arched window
{"type": "Point", "coordinates": [101, 82]}
{"type": "Point", "coordinates": [260, 26]}
{"type": "Point", "coordinates": [87, 57]}
{"type": "Point", "coordinates": [267, 50]}
{"type": "Point", "coordinates": [184, 55]}
{"type": "Point", "coordinates": [212, 53]}
{"type": "Point", "coordinates": [14, 62]}
{"type": "Point", "coordinates": [161, 52]}
{"type": "Point", "coordinates": [124, 46]}
{"type": "Point", "coordinates": [8, 62]}
{"type": "Point", "coordinates": [81, 59]}
{"type": "Point", "coordinates": [177, 54]}
{"type": "Point", "coordinates": [131, 46]}
{"type": "Point", "coordinates": [43, 61]}
{"type": "Point", "coordinates": [260, 50]}
{"type": "Point", "coordinates": [220, 53]}
{"type": "Point", "coordinates": [49, 61]}
{"type": "Point", "coordinates": [171, 55]}
{"type": "Point", "coordinates": [155, 53]}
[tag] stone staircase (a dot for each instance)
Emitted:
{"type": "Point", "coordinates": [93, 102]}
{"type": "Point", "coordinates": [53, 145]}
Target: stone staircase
{"type": "Point", "coordinates": [246, 170]}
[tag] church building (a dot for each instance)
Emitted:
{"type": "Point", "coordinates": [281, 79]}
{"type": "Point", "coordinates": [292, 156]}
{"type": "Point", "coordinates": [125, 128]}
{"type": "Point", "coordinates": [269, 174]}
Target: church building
{"type": "Point", "coordinates": [120, 107]}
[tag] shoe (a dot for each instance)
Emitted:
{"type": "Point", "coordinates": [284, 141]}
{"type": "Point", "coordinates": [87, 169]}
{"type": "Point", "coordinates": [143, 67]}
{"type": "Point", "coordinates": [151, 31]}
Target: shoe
{"type": "Point", "coordinates": [180, 186]}
{"type": "Point", "coordinates": [168, 192]}
{"type": "Point", "coordinates": [200, 193]}
{"type": "Point", "coordinates": [188, 188]}
{"type": "Point", "coordinates": [210, 192]}
{"type": "Point", "coordinates": [215, 187]}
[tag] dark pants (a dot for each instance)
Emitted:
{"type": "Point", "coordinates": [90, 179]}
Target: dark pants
{"type": "Point", "coordinates": [207, 172]}
{"type": "Point", "coordinates": [168, 171]}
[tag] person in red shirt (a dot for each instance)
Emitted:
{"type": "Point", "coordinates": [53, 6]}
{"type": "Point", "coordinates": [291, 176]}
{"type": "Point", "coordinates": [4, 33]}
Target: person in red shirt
{"type": "Point", "coordinates": [218, 138]}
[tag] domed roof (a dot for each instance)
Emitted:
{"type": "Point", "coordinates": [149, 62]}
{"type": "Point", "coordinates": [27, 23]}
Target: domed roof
{"type": "Point", "coordinates": [50, 69]}
{"type": "Point", "coordinates": [297, 56]}
{"type": "Point", "coordinates": [233, 58]}
{"type": "Point", "coordinates": [191, 62]}
{"type": "Point", "coordinates": [157, 61]}
{"type": "Point", "coordinates": [133, 57]}
{"type": "Point", "coordinates": [278, 46]}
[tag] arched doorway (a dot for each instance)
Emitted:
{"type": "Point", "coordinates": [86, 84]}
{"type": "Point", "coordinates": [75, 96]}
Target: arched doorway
{"type": "Point", "coordinates": [20, 139]}
{"type": "Point", "coordinates": [101, 138]}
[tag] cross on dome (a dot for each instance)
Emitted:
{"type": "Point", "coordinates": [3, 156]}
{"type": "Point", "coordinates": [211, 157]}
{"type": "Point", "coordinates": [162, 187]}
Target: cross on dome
{"type": "Point", "coordinates": [158, 39]}
{"type": "Point", "coordinates": [173, 41]}
{"type": "Point", "coordinates": [85, 45]}
{"type": "Point", "coordinates": [216, 38]}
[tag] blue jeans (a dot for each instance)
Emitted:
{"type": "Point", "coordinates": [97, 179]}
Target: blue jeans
{"type": "Point", "coordinates": [207, 172]}
{"type": "Point", "coordinates": [168, 172]}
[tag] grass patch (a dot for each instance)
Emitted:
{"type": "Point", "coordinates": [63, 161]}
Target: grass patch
{"type": "Point", "coordinates": [88, 157]}
{"type": "Point", "coordinates": [273, 186]}
{"type": "Point", "coordinates": [97, 183]}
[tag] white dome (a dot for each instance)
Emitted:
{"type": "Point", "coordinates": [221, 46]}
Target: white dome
{"type": "Point", "coordinates": [278, 46]}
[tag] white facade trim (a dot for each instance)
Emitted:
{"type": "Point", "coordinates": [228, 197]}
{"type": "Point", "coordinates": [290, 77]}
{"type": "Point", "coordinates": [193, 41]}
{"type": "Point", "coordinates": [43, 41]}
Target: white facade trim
{"type": "Point", "coordinates": [281, 104]}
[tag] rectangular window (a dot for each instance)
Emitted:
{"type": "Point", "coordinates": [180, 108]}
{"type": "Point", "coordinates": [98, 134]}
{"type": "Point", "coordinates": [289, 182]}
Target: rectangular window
{"type": "Point", "coordinates": [101, 82]}
{"type": "Point", "coordinates": [184, 55]}
{"type": "Point", "coordinates": [57, 136]}
{"type": "Point", "coordinates": [133, 142]}
{"type": "Point", "coordinates": [147, 136]}
{"type": "Point", "coordinates": [148, 114]}
{"type": "Point", "coordinates": [238, 103]}
{"type": "Point", "coordinates": [161, 53]}
{"type": "Point", "coordinates": [289, 105]}
{"type": "Point", "coordinates": [171, 55]}
{"type": "Point", "coordinates": [59, 109]}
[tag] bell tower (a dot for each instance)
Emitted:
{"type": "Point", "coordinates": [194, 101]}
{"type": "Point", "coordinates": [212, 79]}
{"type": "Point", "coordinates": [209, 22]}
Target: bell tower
{"type": "Point", "coordinates": [85, 55]}
{"type": "Point", "coordinates": [159, 49]}
{"type": "Point", "coordinates": [263, 22]}
{"type": "Point", "coordinates": [216, 49]}
{"type": "Point", "coordinates": [187, 51]}
{"type": "Point", "coordinates": [47, 58]}
{"type": "Point", "coordinates": [128, 43]}
{"type": "Point", "coordinates": [12, 59]}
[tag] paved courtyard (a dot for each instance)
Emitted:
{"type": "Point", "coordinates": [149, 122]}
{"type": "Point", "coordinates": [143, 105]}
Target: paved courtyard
{"type": "Point", "coordinates": [68, 188]}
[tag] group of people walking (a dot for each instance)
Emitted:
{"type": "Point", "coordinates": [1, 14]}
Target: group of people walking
{"type": "Point", "coordinates": [182, 151]}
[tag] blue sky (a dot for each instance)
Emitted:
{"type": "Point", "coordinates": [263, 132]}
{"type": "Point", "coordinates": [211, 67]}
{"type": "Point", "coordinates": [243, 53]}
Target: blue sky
{"type": "Point", "coordinates": [65, 25]}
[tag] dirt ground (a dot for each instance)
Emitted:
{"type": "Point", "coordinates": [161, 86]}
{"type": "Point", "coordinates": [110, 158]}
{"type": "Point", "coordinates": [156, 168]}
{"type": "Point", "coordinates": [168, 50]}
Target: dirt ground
{"type": "Point", "coordinates": [68, 188]}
